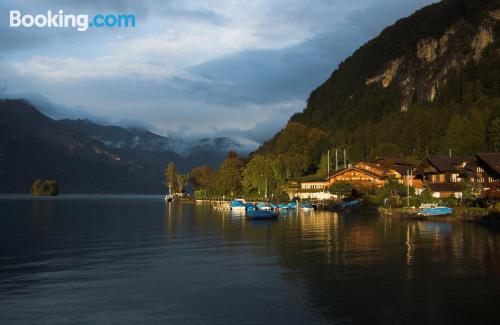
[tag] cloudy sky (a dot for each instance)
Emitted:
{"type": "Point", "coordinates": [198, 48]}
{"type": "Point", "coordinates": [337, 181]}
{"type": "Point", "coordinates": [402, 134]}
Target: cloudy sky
{"type": "Point", "coordinates": [189, 67]}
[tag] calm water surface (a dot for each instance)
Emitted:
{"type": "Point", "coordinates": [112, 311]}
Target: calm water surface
{"type": "Point", "coordinates": [129, 260]}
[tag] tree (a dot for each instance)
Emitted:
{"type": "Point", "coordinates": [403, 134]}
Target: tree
{"type": "Point", "coordinates": [426, 196]}
{"type": "Point", "coordinates": [341, 189]}
{"type": "Point", "coordinates": [456, 134]}
{"type": "Point", "coordinates": [258, 174]}
{"type": "Point", "coordinates": [181, 180]}
{"type": "Point", "coordinates": [170, 177]}
{"type": "Point", "coordinates": [476, 131]}
{"type": "Point", "coordinates": [494, 135]}
{"type": "Point", "coordinates": [201, 177]}
{"type": "Point", "coordinates": [229, 176]}
{"type": "Point", "coordinates": [395, 188]}
{"type": "Point", "coordinates": [44, 188]}
{"type": "Point", "coordinates": [279, 173]}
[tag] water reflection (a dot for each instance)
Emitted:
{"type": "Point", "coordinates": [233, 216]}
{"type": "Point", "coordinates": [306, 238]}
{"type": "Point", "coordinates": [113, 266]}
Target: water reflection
{"type": "Point", "coordinates": [187, 263]}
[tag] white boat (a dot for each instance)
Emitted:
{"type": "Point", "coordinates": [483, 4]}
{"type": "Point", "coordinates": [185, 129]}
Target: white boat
{"type": "Point", "coordinates": [306, 207]}
{"type": "Point", "coordinates": [169, 198]}
{"type": "Point", "coordinates": [238, 205]}
{"type": "Point", "coordinates": [263, 206]}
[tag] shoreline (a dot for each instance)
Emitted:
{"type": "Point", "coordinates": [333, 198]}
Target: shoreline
{"type": "Point", "coordinates": [488, 217]}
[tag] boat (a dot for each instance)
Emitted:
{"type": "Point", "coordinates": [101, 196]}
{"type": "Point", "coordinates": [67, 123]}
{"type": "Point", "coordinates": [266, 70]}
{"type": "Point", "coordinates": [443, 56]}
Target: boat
{"type": "Point", "coordinates": [169, 198]}
{"type": "Point", "coordinates": [275, 206]}
{"type": "Point", "coordinates": [263, 206]}
{"type": "Point", "coordinates": [346, 204]}
{"type": "Point", "coordinates": [238, 205]}
{"type": "Point", "coordinates": [435, 211]}
{"type": "Point", "coordinates": [306, 207]}
{"type": "Point", "coordinates": [261, 214]}
{"type": "Point", "coordinates": [292, 205]}
{"type": "Point", "coordinates": [249, 206]}
{"type": "Point", "coordinates": [283, 206]}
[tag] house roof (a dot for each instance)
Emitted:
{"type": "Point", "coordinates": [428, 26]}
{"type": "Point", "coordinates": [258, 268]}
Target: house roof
{"type": "Point", "coordinates": [445, 163]}
{"type": "Point", "coordinates": [361, 170]}
{"type": "Point", "coordinates": [369, 165]}
{"type": "Point", "coordinates": [446, 187]}
{"type": "Point", "coordinates": [402, 169]}
{"type": "Point", "coordinates": [318, 180]}
{"type": "Point", "coordinates": [389, 161]}
{"type": "Point", "coordinates": [490, 159]}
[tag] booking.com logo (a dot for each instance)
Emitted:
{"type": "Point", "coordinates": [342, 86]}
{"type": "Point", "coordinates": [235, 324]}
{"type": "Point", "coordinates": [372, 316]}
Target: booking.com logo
{"type": "Point", "coordinates": [61, 20]}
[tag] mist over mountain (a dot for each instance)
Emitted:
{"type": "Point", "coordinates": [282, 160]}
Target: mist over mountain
{"type": "Point", "coordinates": [86, 157]}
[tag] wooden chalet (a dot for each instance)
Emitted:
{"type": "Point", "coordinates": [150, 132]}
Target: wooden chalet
{"type": "Point", "coordinates": [443, 169]}
{"type": "Point", "coordinates": [317, 185]}
{"type": "Point", "coordinates": [388, 162]}
{"type": "Point", "coordinates": [399, 170]}
{"type": "Point", "coordinates": [446, 190]}
{"type": "Point", "coordinates": [487, 169]}
{"type": "Point", "coordinates": [358, 177]}
{"type": "Point", "coordinates": [373, 168]}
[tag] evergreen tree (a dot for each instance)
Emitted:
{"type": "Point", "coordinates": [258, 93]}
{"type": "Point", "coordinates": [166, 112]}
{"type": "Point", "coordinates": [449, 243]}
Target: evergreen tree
{"type": "Point", "coordinates": [494, 135]}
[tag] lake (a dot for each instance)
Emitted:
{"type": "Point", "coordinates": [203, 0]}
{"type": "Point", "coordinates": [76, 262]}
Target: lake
{"type": "Point", "coordinates": [134, 259]}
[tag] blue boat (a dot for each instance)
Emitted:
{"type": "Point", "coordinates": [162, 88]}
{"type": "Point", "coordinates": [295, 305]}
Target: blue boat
{"type": "Point", "coordinates": [282, 206]}
{"type": "Point", "coordinates": [261, 214]}
{"type": "Point", "coordinates": [346, 204]}
{"type": "Point", "coordinates": [292, 205]}
{"type": "Point", "coordinates": [237, 205]}
{"type": "Point", "coordinates": [263, 206]}
{"type": "Point", "coordinates": [436, 211]}
{"type": "Point", "coordinates": [249, 206]}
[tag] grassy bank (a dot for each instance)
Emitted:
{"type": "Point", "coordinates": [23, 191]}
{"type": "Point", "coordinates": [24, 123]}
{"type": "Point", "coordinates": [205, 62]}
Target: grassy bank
{"type": "Point", "coordinates": [485, 216]}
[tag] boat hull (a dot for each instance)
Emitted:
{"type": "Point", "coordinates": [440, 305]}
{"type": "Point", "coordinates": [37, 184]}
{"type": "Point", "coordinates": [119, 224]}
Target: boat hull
{"type": "Point", "coordinates": [438, 211]}
{"type": "Point", "coordinates": [261, 214]}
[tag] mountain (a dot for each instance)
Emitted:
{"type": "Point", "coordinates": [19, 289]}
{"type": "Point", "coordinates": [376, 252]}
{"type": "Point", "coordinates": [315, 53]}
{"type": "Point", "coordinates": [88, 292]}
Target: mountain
{"type": "Point", "coordinates": [85, 157]}
{"type": "Point", "coordinates": [33, 146]}
{"type": "Point", "coordinates": [430, 83]}
{"type": "Point", "coordinates": [143, 144]}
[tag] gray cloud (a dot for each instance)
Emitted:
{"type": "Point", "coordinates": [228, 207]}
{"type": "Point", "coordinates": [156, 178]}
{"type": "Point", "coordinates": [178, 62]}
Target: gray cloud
{"type": "Point", "coordinates": [251, 73]}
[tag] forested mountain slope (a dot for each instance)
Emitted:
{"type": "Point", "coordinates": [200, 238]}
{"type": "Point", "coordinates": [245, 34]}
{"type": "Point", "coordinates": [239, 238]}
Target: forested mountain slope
{"type": "Point", "coordinates": [426, 85]}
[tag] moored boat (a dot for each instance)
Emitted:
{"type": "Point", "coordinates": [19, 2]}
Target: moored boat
{"type": "Point", "coordinates": [349, 204]}
{"type": "Point", "coordinates": [306, 207]}
{"type": "Point", "coordinates": [283, 206]}
{"type": "Point", "coordinates": [263, 206]}
{"type": "Point", "coordinates": [261, 214]}
{"type": "Point", "coordinates": [249, 206]}
{"type": "Point", "coordinates": [435, 211]}
{"type": "Point", "coordinates": [238, 205]}
{"type": "Point", "coordinates": [346, 204]}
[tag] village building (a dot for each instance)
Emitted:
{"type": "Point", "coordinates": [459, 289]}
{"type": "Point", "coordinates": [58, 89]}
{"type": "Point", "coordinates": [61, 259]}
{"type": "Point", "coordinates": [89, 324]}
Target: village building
{"type": "Point", "coordinates": [487, 169]}
{"type": "Point", "coordinates": [443, 176]}
{"type": "Point", "coordinates": [443, 169]}
{"type": "Point", "coordinates": [314, 189]}
{"type": "Point", "coordinates": [446, 190]}
{"type": "Point", "coordinates": [373, 168]}
{"type": "Point", "coordinates": [400, 171]}
{"type": "Point", "coordinates": [318, 185]}
{"type": "Point", "coordinates": [388, 162]}
{"type": "Point", "coordinates": [358, 176]}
